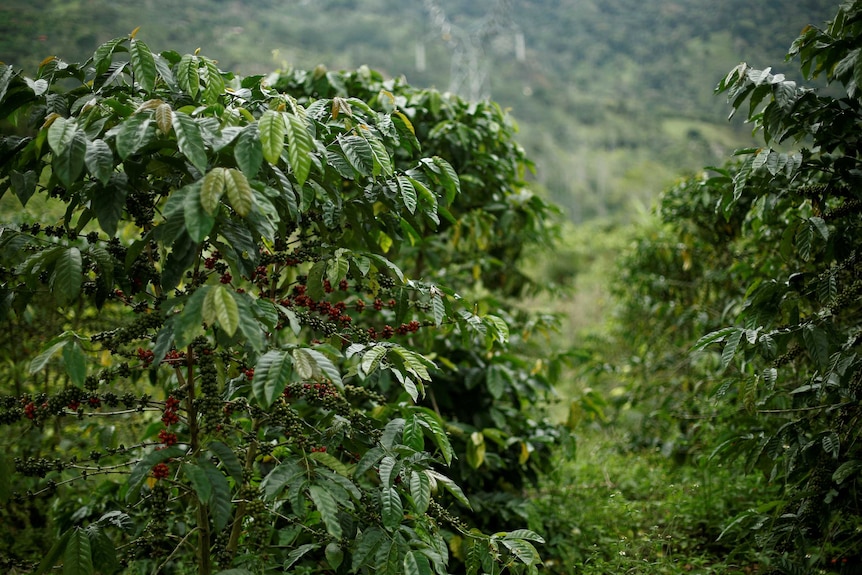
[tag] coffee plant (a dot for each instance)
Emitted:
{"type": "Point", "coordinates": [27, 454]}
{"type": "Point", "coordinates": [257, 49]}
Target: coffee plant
{"type": "Point", "coordinates": [231, 348]}
{"type": "Point", "coordinates": [786, 285]}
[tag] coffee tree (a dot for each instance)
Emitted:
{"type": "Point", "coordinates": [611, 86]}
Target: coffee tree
{"type": "Point", "coordinates": [238, 359]}
{"type": "Point", "coordinates": [791, 358]}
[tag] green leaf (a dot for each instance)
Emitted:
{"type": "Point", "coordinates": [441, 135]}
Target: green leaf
{"type": "Point", "coordinates": [143, 467]}
{"type": "Point", "coordinates": [198, 222]}
{"type": "Point", "coordinates": [372, 358]}
{"type": "Point", "coordinates": [413, 436]}
{"type": "Point", "coordinates": [23, 184]}
{"type": "Point", "coordinates": [54, 553]}
{"type": "Point", "coordinates": [524, 534]}
{"type": "Point", "coordinates": [199, 480]}
{"type": "Point", "coordinates": [431, 421]}
{"type": "Point", "coordinates": [272, 132]}
{"type": "Point", "coordinates": [816, 344]}
{"type": "Point", "coordinates": [282, 475]}
{"type": "Point", "coordinates": [143, 64]}
{"type": "Point", "coordinates": [220, 502]}
{"type": "Point", "coordinates": [271, 374]}
{"type": "Point", "coordinates": [67, 278]}
{"type": "Point", "coordinates": [187, 325]}
{"type": "Point", "coordinates": [134, 133]}
{"type": "Point", "coordinates": [391, 508]}
{"type": "Point", "coordinates": [450, 486]}
{"type": "Point", "coordinates": [188, 76]}
{"type": "Point", "coordinates": [522, 550]}
{"type": "Point", "coordinates": [75, 362]}
{"type": "Point", "coordinates": [476, 450]}
{"type": "Point", "coordinates": [239, 192]}
{"type": "Point", "coordinates": [99, 159]}
{"type": "Point", "coordinates": [212, 189]}
{"type": "Point", "coordinates": [214, 83]}
{"type": "Point", "coordinates": [408, 193]}
{"type": "Point", "coordinates": [69, 146]}
{"type": "Point", "coordinates": [102, 550]}
{"type": "Point", "coordinates": [229, 459]}
{"type": "Point", "coordinates": [248, 151]}
{"type": "Point", "coordinates": [220, 306]}
{"type": "Point", "coordinates": [420, 491]}
{"type": "Point", "coordinates": [190, 140]}
{"type": "Point", "coordinates": [39, 362]}
{"type": "Point", "coordinates": [334, 554]}
{"type": "Point", "coordinates": [328, 509]}
{"type": "Point", "coordinates": [730, 347]}
{"type": "Point", "coordinates": [77, 559]}
{"type": "Point", "coordinates": [299, 147]}
{"type": "Point", "coordinates": [359, 154]}
{"type": "Point", "coordinates": [296, 554]}
{"type": "Point", "coordinates": [366, 545]}
{"type": "Point", "coordinates": [416, 564]}
{"type": "Point", "coordinates": [382, 161]}
{"type": "Point", "coordinates": [846, 470]}
{"type": "Point", "coordinates": [324, 364]}
{"type": "Point", "coordinates": [108, 202]}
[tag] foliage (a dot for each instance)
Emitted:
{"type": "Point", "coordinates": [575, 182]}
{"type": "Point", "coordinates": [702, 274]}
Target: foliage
{"type": "Point", "coordinates": [742, 309]}
{"type": "Point", "coordinates": [614, 96]}
{"type": "Point", "coordinates": [228, 267]}
{"type": "Point", "coordinates": [611, 512]}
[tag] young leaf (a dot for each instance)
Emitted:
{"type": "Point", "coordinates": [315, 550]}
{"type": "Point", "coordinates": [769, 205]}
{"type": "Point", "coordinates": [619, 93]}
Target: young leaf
{"type": "Point", "coordinates": [214, 83]}
{"type": "Point", "coordinates": [164, 117]}
{"type": "Point", "coordinates": [188, 76]}
{"type": "Point", "coordinates": [143, 64]}
{"type": "Point", "coordinates": [299, 147]}
{"type": "Point", "coordinates": [220, 306]}
{"type": "Point", "coordinates": [272, 133]}
{"type": "Point", "coordinates": [212, 189]}
{"type": "Point", "coordinates": [239, 192]}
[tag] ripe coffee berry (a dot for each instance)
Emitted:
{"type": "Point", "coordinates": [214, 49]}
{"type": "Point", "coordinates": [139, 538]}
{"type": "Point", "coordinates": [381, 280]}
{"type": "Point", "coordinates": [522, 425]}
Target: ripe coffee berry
{"type": "Point", "coordinates": [161, 470]}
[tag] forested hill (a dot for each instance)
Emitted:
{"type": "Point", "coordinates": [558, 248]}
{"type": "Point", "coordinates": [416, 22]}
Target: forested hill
{"type": "Point", "coordinates": [614, 97]}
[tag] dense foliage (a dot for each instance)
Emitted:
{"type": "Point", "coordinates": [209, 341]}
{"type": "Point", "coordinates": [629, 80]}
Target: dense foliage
{"type": "Point", "coordinates": [741, 310]}
{"type": "Point", "coordinates": [253, 362]}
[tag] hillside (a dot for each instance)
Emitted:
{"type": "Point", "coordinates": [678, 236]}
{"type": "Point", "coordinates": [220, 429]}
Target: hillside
{"type": "Point", "coordinates": [614, 97]}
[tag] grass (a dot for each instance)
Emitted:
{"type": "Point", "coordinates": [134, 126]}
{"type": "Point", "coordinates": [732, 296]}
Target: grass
{"type": "Point", "coordinates": [615, 511]}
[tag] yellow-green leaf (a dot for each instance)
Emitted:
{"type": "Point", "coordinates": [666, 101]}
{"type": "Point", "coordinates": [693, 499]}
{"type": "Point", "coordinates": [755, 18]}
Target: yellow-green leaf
{"type": "Point", "coordinates": [272, 131]}
{"type": "Point", "coordinates": [212, 188]}
{"type": "Point", "coordinates": [221, 307]}
{"type": "Point", "coordinates": [239, 192]}
{"type": "Point", "coordinates": [164, 117]}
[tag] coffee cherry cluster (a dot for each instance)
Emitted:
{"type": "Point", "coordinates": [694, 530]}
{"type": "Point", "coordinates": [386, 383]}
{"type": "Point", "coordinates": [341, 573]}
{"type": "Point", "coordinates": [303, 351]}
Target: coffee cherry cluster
{"type": "Point", "coordinates": [170, 416]}
{"type": "Point", "coordinates": [37, 466]}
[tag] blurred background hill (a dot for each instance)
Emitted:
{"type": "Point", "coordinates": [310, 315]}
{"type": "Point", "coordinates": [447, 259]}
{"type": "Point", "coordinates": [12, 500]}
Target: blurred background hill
{"type": "Point", "coordinates": [613, 97]}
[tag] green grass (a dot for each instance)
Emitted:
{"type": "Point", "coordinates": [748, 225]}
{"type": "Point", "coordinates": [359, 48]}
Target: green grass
{"type": "Point", "coordinates": [615, 511]}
